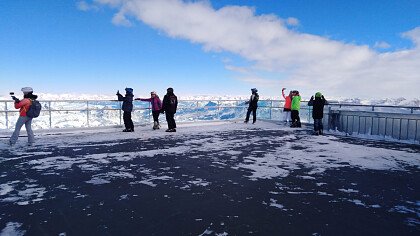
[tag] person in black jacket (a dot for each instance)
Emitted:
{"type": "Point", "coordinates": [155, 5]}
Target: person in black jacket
{"type": "Point", "coordinates": [127, 107]}
{"type": "Point", "coordinates": [318, 111]}
{"type": "Point", "coordinates": [169, 105]}
{"type": "Point", "coordinates": [253, 105]}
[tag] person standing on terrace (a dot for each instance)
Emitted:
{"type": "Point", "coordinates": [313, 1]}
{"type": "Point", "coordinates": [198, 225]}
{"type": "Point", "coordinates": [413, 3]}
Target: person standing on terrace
{"type": "Point", "coordinates": [318, 111]}
{"type": "Point", "coordinates": [295, 109]}
{"type": "Point", "coordinates": [253, 105]}
{"type": "Point", "coordinates": [156, 107]}
{"type": "Point", "coordinates": [287, 106]}
{"type": "Point", "coordinates": [23, 106]}
{"type": "Point", "coordinates": [169, 106]}
{"type": "Point", "coordinates": [127, 107]}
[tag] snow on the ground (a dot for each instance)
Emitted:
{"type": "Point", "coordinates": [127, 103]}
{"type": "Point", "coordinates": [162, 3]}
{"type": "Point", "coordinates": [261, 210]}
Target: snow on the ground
{"type": "Point", "coordinates": [320, 152]}
{"type": "Point", "coordinates": [298, 151]}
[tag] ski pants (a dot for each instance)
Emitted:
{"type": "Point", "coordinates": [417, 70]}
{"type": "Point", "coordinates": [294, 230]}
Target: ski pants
{"type": "Point", "coordinates": [318, 124]}
{"type": "Point", "coordinates": [295, 117]}
{"type": "Point", "coordinates": [156, 116]}
{"type": "Point", "coordinates": [254, 114]}
{"type": "Point", "coordinates": [170, 119]}
{"type": "Point", "coordinates": [128, 123]}
{"type": "Point", "coordinates": [23, 120]}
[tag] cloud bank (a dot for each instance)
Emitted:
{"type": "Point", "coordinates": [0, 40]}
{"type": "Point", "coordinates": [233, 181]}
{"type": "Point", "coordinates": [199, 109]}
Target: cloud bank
{"type": "Point", "coordinates": [302, 61]}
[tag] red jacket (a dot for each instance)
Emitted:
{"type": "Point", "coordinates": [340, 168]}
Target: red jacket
{"type": "Point", "coordinates": [23, 106]}
{"type": "Point", "coordinates": [288, 101]}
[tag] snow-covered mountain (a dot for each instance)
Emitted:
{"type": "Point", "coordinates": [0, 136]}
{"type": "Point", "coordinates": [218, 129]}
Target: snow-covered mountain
{"type": "Point", "coordinates": [359, 101]}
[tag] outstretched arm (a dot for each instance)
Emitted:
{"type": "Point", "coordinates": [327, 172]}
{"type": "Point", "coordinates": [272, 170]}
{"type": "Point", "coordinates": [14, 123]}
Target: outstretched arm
{"type": "Point", "coordinates": [282, 93]}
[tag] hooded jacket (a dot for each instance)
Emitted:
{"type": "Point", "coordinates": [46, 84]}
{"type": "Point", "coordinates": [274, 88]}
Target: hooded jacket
{"type": "Point", "coordinates": [253, 100]}
{"type": "Point", "coordinates": [318, 104]}
{"type": "Point", "coordinates": [296, 103]}
{"type": "Point", "coordinates": [25, 103]}
{"type": "Point", "coordinates": [127, 105]}
{"type": "Point", "coordinates": [170, 102]}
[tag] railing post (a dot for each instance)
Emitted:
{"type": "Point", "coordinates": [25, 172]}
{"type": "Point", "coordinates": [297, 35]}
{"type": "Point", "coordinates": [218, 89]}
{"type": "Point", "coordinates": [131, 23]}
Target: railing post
{"type": "Point", "coordinates": [373, 108]}
{"type": "Point", "coordinates": [7, 115]}
{"type": "Point", "coordinates": [49, 113]}
{"type": "Point", "coordinates": [87, 113]}
{"type": "Point", "coordinates": [399, 134]}
{"type": "Point", "coordinates": [218, 109]}
{"type": "Point", "coordinates": [271, 109]}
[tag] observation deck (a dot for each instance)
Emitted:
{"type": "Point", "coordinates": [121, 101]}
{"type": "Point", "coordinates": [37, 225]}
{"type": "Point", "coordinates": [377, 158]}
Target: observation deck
{"type": "Point", "coordinates": [208, 178]}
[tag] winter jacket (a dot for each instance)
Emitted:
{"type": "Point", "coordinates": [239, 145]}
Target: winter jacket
{"type": "Point", "coordinates": [287, 101]}
{"type": "Point", "coordinates": [296, 103]}
{"type": "Point", "coordinates": [25, 103]}
{"type": "Point", "coordinates": [23, 106]}
{"type": "Point", "coordinates": [170, 103]}
{"type": "Point", "coordinates": [156, 103]}
{"type": "Point", "coordinates": [127, 105]}
{"type": "Point", "coordinates": [253, 100]}
{"type": "Point", "coordinates": [318, 104]}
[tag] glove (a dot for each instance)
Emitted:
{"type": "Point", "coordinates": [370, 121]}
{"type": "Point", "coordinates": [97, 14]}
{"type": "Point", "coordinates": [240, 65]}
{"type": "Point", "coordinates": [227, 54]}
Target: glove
{"type": "Point", "coordinates": [118, 92]}
{"type": "Point", "coordinates": [312, 98]}
{"type": "Point", "coordinates": [15, 98]}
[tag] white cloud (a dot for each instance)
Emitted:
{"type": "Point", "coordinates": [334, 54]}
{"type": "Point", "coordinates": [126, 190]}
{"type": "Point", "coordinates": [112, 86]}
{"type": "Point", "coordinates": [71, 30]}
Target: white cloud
{"type": "Point", "coordinates": [310, 62]}
{"type": "Point", "coordinates": [292, 21]}
{"type": "Point", "coordinates": [382, 45]}
{"type": "Point", "coordinates": [84, 6]}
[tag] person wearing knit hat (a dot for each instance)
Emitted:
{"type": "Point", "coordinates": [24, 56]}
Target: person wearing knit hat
{"type": "Point", "coordinates": [318, 111]}
{"type": "Point", "coordinates": [253, 105]}
{"type": "Point", "coordinates": [169, 106]}
{"type": "Point", "coordinates": [23, 106]}
{"type": "Point", "coordinates": [127, 107]}
{"type": "Point", "coordinates": [156, 107]}
{"type": "Point", "coordinates": [295, 107]}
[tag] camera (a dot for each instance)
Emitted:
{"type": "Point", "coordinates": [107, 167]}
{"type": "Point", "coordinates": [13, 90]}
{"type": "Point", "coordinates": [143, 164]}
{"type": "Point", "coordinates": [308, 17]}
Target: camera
{"type": "Point", "coordinates": [13, 96]}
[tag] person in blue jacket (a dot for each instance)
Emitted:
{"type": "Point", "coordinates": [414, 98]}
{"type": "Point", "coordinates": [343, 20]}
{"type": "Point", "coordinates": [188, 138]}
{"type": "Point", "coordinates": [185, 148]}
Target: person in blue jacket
{"type": "Point", "coordinates": [127, 107]}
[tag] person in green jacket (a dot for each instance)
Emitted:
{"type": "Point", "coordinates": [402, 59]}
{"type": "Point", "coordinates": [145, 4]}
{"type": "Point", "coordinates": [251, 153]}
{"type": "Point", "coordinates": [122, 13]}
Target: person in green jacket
{"type": "Point", "coordinates": [295, 109]}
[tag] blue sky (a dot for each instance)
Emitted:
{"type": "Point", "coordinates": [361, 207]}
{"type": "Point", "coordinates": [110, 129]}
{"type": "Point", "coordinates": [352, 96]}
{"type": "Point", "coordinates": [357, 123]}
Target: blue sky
{"type": "Point", "coordinates": [342, 48]}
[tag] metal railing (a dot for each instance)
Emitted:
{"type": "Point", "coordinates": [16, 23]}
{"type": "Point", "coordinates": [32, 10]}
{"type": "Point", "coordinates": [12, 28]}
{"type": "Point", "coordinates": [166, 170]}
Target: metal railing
{"type": "Point", "coordinates": [384, 122]}
{"type": "Point", "coordinates": [397, 122]}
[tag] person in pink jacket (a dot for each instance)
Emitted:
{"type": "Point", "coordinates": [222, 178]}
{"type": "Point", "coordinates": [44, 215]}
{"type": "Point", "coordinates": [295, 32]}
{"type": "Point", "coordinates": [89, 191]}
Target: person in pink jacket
{"type": "Point", "coordinates": [287, 106]}
{"type": "Point", "coordinates": [23, 106]}
{"type": "Point", "coordinates": [156, 107]}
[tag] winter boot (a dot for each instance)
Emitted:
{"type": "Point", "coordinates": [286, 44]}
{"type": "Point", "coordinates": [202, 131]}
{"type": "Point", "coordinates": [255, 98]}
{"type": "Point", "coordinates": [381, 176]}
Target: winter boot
{"type": "Point", "coordinates": [155, 125]}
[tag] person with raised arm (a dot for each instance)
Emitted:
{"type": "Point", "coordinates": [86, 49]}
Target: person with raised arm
{"type": "Point", "coordinates": [318, 111]}
{"type": "Point", "coordinates": [127, 107]}
{"type": "Point", "coordinates": [287, 110]}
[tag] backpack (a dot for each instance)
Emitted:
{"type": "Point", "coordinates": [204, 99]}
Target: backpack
{"type": "Point", "coordinates": [34, 110]}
